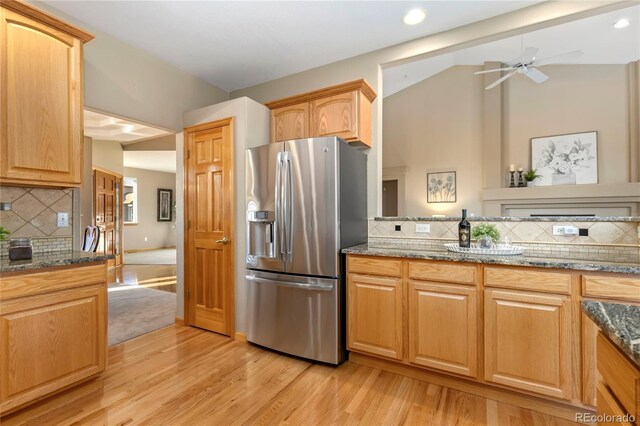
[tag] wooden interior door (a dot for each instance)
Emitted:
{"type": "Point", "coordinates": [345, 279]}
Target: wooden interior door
{"type": "Point", "coordinates": [106, 212]}
{"type": "Point", "coordinates": [209, 246]}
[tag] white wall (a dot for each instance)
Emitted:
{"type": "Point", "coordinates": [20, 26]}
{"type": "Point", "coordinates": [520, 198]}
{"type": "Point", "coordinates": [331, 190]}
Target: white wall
{"type": "Point", "coordinates": [251, 128]}
{"type": "Point", "coordinates": [107, 155]}
{"type": "Point", "coordinates": [128, 82]}
{"type": "Point", "coordinates": [157, 234]}
{"type": "Point", "coordinates": [368, 66]}
{"type": "Point", "coordinates": [436, 125]}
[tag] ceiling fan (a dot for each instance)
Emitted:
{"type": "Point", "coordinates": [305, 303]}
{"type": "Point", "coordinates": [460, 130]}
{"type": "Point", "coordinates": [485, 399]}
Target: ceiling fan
{"type": "Point", "coordinates": [528, 65]}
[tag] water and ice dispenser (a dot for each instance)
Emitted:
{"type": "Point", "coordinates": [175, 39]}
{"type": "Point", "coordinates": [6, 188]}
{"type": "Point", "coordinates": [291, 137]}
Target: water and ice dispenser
{"type": "Point", "coordinates": [261, 241]}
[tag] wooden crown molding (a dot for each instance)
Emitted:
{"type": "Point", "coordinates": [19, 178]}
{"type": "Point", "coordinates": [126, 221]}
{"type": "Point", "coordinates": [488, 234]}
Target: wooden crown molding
{"type": "Point", "coordinates": [360, 85]}
{"type": "Point", "coordinates": [45, 18]}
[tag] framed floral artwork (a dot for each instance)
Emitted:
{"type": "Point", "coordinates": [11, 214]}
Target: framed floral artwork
{"type": "Point", "coordinates": [566, 159]}
{"type": "Point", "coordinates": [441, 187]}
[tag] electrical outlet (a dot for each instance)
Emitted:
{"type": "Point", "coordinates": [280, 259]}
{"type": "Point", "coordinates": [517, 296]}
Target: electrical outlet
{"type": "Point", "coordinates": [423, 228]}
{"type": "Point", "coordinates": [5, 206]}
{"type": "Point", "coordinates": [564, 230]}
{"type": "Point", "coordinates": [63, 220]}
{"type": "Point", "coordinates": [398, 227]}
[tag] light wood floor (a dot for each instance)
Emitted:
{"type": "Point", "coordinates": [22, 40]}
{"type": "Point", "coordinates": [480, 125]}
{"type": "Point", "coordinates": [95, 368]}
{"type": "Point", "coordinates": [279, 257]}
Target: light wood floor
{"type": "Point", "coordinates": [159, 277]}
{"type": "Point", "coordinates": [182, 375]}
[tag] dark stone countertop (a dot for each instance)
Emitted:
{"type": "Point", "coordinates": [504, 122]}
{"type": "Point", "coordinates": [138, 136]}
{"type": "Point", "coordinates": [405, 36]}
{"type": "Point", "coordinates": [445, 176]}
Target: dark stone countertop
{"type": "Point", "coordinates": [512, 219]}
{"type": "Point", "coordinates": [620, 322]}
{"type": "Point", "coordinates": [51, 259]}
{"type": "Point", "coordinates": [519, 260]}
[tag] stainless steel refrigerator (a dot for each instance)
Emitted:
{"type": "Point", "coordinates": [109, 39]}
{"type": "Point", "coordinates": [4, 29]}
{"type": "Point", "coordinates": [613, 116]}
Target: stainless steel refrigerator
{"type": "Point", "coordinates": [306, 200]}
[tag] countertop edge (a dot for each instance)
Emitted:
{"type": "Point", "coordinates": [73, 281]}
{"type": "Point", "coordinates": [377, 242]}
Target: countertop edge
{"type": "Point", "coordinates": [587, 307]}
{"type": "Point", "coordinates": [364, 250]}
{"type": "Point", "coordinates": [44, 264]}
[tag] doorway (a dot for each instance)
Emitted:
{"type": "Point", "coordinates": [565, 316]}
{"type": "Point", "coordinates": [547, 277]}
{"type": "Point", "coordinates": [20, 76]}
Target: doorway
{"type": "Point", "coordinates": [390, 197]}
{"type": "Point", "coordinates": [132, 195]}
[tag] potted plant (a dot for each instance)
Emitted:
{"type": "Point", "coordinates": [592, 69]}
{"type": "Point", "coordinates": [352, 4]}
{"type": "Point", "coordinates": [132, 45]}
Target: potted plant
{"type": "Point", "coordinates": [3, 233]}
{"type": "Point", "coordinates": [530, 176]}
{"type": "Point", "coordinates": [485, 234]}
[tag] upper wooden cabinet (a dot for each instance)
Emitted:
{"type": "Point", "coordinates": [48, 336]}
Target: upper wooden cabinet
{"type": "Point", "coordinates": [343, 110]}
{"type": "Point", "coordinates": [41, 97]}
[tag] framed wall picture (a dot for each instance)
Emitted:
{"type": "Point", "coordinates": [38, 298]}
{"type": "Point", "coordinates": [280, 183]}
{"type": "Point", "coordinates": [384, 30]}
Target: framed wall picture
{"type": "Point", "coordinates": [566, 159]}
{"type": "Point", "coordinates": [441, 187]}
{"type": "Point", "coordinates": [165, 203]}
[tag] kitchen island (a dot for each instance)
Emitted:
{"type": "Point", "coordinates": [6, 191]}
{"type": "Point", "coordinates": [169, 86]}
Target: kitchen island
{"type": "Point", "coordinates": [53, 325]}
{"type": "Point", "coordinates": [506, 326]}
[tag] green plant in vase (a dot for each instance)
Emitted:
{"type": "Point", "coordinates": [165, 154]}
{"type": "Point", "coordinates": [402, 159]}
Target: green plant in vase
{"type": "Point", "coordinates": [3, 233]}
{"type": "Point", "coordinates": [485, 234]}
{"type": "Point", "coordinates": [531, 175]}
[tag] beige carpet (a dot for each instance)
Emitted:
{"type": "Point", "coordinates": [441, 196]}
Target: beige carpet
{"type": "Point", "coordinates": [151, 257]}
{"type": "Point", "coordinates": [137, 310]}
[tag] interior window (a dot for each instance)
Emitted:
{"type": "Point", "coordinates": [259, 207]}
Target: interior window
{"type": "Point", "coordinates": [130, 194]}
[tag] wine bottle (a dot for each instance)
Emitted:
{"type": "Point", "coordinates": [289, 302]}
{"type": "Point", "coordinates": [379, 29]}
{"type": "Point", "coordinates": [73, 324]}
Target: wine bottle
{"type": "Point", "coordinates": [464, 231]}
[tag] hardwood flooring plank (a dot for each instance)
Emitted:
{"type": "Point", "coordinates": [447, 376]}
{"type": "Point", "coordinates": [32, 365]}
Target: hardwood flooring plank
{"type": "Point", "coordinates": [185, 376]}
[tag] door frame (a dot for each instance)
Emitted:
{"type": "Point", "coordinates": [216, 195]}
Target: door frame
{"type": "Point", "coordinates": [189, 132]}
{"type": "Point", "coordinates": [119, 261]}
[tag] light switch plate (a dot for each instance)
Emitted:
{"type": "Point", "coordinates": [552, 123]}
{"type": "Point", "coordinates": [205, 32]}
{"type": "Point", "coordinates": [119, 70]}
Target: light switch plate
{"type": "Point", "coordinates": [423, 228]}
{"type": "Point", "coordinates": [63, 220]}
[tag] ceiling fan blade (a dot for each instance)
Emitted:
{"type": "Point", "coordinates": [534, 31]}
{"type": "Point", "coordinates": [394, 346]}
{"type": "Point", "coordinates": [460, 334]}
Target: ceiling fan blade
{"type": "Point", "coordinates": [526, 56]}
{"type": "Point", "coordinates": [536, 75]}
{"type": "Point", "coordinates": [558, 59]}
{"type": "Point", "coordinates": [500, 80]}
{"type": "Point", "coordinates": [494, 70]}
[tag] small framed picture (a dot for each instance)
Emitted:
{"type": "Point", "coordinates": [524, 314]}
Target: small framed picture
{"type": "Point", "coordinates": [441, 187]}
{"type": "Point", "coordinates": [570, 159]}
{"type": "Point", "coordinates": [165, 203]}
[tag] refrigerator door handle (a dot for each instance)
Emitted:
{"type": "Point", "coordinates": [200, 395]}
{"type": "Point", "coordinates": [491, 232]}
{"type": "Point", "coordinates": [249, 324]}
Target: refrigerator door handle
{"type": "Point", "coordinates": [288, 193]}
{"type": "Point", "coordinates": [278, 199]}
{"type": "Point", "coordinates": [304, 286]}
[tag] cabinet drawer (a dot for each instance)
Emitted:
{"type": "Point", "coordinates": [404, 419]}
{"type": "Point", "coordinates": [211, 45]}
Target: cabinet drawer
{"type": "Point", "coordinates": [27, 284]}
{"type": "Point", "coordinates": [433, 271]}
{"type": "Point", "coordinates": [608, 406]}
{"type": "Point", "coordinates": [620, 375]}
{"type": "Point", "coordinates": [619, 288]}
{"type": "Point", "coordinates": [551, 282]}
{"type": "Point", "coordinates": [375, 266]}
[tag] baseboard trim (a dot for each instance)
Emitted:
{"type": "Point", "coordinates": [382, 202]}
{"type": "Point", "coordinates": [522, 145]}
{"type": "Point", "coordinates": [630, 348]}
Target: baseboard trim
{"type": "Point", "coordinates": [557, 409]}
{"type": "Point", "coordinates": [179, 321]}
{"type": "Point", "coordinates": [149, 249]}
{"type": "Point", "coordinates": [240, 337]}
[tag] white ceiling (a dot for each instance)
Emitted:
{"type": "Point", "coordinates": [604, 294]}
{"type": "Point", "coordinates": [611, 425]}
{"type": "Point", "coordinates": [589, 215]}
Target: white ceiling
{"type": "Point", "coordinates": [236, 44]}
{"type": "Point", "coordinates": [161, 161]}
{"type": "Point", "coordinates": [595, 36]}
{"type": "Point", "coordinates": [107, 128]}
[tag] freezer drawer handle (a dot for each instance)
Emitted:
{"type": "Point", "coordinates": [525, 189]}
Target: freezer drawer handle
{"type": "Point", "coordinates": [319, 287]}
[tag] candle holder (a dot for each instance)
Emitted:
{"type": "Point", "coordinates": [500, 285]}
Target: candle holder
{"type": "Point", "coordinates": [512, 179]}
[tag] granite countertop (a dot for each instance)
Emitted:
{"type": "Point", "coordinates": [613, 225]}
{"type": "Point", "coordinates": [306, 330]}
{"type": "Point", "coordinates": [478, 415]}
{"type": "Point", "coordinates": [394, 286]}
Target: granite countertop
{"type": "Point", "coordinates": [520, 260]}
{"type": "Point", "coordinates": [620, 322]}
{"type": "Point", "coordinates": [51, 259]}
{"type": "Point", "coordinates": [512, 219]}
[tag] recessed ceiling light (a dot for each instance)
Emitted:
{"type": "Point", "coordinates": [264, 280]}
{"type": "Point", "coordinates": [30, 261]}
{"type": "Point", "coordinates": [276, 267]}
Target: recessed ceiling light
{"type": "Point", "coordinates": [622, 23]}
{"type": "Point", "coordinates": [414, 17]}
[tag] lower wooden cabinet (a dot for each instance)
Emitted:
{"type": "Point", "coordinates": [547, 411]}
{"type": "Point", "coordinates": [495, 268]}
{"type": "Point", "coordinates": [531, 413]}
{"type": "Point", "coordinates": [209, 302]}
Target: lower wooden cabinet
{"type": "Point", "coordinates": [443, 327]}
{"type": "Point", "coordinates": [527, 341]}
{"type": "Point", "coordinates": [374, 315]}
{"type": "Point", "coordinates": [50, 341]}
{"type": "Point", "coordinates": [608, 407]}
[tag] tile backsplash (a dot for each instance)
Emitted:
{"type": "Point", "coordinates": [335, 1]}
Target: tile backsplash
{"type": "Point", "coordinates": [34, 211]}
{"type": "Point", "coordinates": [607, 240]}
